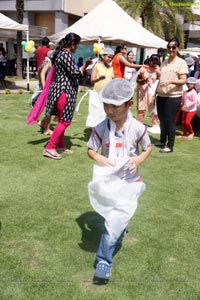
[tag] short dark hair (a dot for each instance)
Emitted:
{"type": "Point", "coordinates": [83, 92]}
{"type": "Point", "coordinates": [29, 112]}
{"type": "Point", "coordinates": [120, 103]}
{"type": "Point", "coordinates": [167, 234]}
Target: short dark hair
{"type": "Point", "coordinates": [45, 41]}
{"type": "Point", "coordinates": [154, 57]}
{"type": "Point", "coordinates": [119, 48]}
{"type": "Point", "coordinates": [161, 50]}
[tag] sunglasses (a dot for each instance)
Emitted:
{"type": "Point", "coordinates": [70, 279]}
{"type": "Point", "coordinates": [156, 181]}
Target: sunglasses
{"type": "Point", "coordinates": [125, 48]}
{"type": "Point", "coordinates": [171, 47]}
{"type": "Point", "coordinates": [111, 57]}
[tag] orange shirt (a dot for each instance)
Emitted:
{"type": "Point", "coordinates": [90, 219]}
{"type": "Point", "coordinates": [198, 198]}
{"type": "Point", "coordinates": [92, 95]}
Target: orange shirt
{"type": "Point", "coordinates": [118, 67]}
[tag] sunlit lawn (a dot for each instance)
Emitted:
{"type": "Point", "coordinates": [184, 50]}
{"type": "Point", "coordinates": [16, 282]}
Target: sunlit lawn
{"type": "Point", "coordinates": [49, 233]}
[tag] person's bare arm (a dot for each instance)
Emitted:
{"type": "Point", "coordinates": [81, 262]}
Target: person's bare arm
{"type": "Point", "coordinates": [85, 65]}
{"type": "Point", "coordinates": [125, 62]}
{"type": "Point", "coordinates": [44, 72]}
{"type": "Point", "coordinates": [100, 159]}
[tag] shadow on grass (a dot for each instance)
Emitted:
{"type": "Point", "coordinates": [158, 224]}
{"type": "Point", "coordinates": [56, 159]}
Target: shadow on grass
{"type": "Point", "coordinates": [87, 132]}
{"type": "Point", "coordinates": [84, 136]}
{"type": "Point", "coordinates": [91, 225]}
{"type": "Point", "coordinates": [178, 132]}
{"type": "Point", "coordinates": [67, 141]}
{"type": "Point", "coordinates": [36, 142]}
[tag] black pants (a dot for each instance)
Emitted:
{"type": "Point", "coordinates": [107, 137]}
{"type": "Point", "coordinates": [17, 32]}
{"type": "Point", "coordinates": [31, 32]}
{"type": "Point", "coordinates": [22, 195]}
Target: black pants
{"type": "Point", "coordinates": [167, 108]}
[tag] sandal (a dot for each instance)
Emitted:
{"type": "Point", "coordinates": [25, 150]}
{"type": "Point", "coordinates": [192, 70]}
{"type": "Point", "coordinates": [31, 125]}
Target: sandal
{"type": "Point", "coordinates": [50, 154]}
{"type": "Point", "coordinates": [40, 124]}
{"type": "Point", "coordinates": [181, 136]}
{"type": "Point", "coordinates": [65, 150]}
{"type": "Point", "coordinates": [49, 132]}
{"type": "Point", "coordinates": [190, 137]}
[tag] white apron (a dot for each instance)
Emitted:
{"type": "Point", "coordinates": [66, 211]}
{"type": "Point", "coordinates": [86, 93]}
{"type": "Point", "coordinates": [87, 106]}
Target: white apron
{"type": "Point", "coordinates": [110, 194]}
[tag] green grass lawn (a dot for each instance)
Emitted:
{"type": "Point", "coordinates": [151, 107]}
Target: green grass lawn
{"type": "Point", "coordinates": [49, 233]}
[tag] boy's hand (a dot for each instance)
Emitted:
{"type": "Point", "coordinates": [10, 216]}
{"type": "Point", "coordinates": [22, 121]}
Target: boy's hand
{"type": "Point", "coordinates": [103, 161]}
{"type": "Point", "coordinates": [136, 161]}
{"type": "Point", "coordinates": [133, 164]}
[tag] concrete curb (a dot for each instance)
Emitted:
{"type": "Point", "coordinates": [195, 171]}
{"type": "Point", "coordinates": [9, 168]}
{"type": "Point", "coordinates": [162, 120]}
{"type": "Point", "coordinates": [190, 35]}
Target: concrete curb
{"type": "Point", "coordinates": [20, 87]}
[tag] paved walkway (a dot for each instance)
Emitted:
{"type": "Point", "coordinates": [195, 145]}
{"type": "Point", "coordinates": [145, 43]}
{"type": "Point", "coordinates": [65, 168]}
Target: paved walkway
{"type": "Point", "coordinates": [15, 86]}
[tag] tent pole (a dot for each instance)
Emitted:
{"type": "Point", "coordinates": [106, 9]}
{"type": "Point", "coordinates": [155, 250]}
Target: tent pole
{"type": "Point", "coordinates": [27, 63]}
{"type": "Point", "coordinates": [99, 41]}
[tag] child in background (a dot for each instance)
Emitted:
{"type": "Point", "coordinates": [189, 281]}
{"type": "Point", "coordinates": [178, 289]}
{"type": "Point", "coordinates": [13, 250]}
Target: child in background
{"type": "Point", "coordinates": [147, 76]}
{"type": "Point", "coordinates": [189, 101]}
{"type": "Point", "coordinates": [116, 184]}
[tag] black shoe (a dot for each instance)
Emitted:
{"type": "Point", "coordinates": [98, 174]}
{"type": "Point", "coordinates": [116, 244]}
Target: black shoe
{"type": "Point", "coordinates": [99, 281]}
{"type": "Point", "coordinates": [159, 144]}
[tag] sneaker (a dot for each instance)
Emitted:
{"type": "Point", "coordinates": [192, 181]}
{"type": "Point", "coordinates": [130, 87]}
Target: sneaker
{"type": "Point", "coordinates": [103, 270]}
{"type": "Point", "coordinates": [154, 129]}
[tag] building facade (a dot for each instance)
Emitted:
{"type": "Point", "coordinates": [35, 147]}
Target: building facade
{"type": "Point", "coordinates": [52, 15]}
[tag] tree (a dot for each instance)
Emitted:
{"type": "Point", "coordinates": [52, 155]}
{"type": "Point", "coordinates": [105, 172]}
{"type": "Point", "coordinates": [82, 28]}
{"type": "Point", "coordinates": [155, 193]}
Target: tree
{"type": "Point", "coordinates": [160, 17]}
{"type": "Point", "coordinates": [20, 16]}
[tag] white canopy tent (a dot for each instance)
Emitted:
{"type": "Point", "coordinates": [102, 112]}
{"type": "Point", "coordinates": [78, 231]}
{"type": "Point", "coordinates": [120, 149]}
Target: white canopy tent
{"type": "Point", "coordinates": [110, 24]}
{"type": "Point", "coordinates": [8, 29]}
{"type": "Point", "coordinates": [195, 51]}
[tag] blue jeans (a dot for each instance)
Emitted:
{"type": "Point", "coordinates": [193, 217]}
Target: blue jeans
{"type": "Point", "coordinates": [108, 245]}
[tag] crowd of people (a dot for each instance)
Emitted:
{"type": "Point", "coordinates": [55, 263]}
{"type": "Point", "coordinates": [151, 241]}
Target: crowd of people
{"type": "Point", "coordinates": [164, 87]}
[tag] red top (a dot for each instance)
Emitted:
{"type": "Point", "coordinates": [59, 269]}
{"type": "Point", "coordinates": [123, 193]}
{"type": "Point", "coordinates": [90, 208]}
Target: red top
{"type": "Point", "coordinates": [41, 52]}
{"type": "Point", "coordinates": [118, 67]}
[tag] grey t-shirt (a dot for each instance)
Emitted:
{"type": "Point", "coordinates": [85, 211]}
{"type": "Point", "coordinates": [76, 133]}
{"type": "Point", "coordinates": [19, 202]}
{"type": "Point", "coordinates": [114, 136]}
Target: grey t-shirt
{"type": "Point", "coordinates": [136, 134]}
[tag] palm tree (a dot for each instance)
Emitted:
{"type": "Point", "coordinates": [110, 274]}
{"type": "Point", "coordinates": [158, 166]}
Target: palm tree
{"type": "Point", "coordinates": [160, 17]}
{"type": "Point", "coordinates": [20, 16]}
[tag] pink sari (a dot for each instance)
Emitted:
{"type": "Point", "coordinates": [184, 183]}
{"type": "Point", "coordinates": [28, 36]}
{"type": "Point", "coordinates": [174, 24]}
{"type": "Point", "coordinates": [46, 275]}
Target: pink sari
{"type": "Point", "coordinates": [38, 108]}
